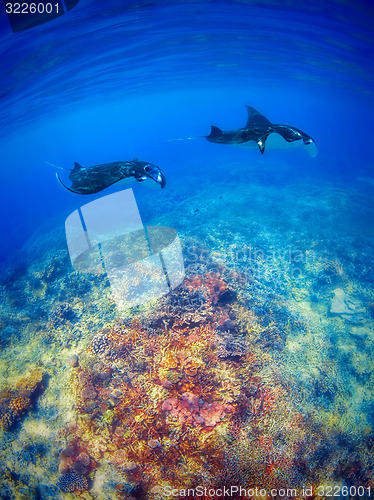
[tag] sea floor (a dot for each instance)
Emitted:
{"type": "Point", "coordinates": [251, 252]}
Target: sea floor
{"type": "Point", "coordinates": [255, 372]}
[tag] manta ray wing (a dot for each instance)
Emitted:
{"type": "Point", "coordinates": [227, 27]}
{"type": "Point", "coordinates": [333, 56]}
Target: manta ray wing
{"type": "Point", "coordinates": [86, 190]}
{"type": "Point", "coordinates": [63, 185]}
{"type": "Point", "coordinates": [256, 120]}
{"type": "Point", "coordinates": [258, 126]}
{"type": "Point", "coordinates": [94, 179]}
{"type": "Point", "coordinates": [294, 135]}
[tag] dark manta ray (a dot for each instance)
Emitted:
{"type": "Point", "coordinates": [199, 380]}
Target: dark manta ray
{"type": "Point", "coordinates": [260, 131]}
{"type": "Point", "coordinates": [93, 179]}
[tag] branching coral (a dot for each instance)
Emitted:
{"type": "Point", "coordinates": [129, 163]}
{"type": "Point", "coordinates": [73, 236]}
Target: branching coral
{"type": "Point", "coordinates": [17, 400]}
{"type": "Point", "coordinates": [72, 482]}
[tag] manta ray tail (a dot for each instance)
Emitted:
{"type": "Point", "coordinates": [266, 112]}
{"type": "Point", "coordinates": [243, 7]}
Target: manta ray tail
{"type": "Point", "coordinates": [186, 138]}
{"type": "Point", "coordinates": [56, 166]}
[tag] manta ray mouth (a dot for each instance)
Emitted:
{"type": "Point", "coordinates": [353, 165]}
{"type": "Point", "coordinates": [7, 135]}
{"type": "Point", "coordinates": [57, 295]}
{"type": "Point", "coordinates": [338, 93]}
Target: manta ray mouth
{"type": "Point", "coordinates": [155, 174]}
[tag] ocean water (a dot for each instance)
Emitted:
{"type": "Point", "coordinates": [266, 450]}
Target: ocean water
{"type": "Point", "coordinates": [243, 356]}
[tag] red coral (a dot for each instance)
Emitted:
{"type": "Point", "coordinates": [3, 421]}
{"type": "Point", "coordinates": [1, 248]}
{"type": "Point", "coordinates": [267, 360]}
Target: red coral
{"type": "Point", "coordinates": [212, 285]}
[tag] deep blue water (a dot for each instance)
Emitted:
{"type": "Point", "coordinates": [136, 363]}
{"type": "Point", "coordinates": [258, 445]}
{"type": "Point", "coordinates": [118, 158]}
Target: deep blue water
{"type": "Point", "coordinates": [116, 80]}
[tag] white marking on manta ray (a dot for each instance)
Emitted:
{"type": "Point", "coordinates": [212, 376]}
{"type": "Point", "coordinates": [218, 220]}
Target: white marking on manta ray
{"type": "Point", "coordinates": [131, 181]}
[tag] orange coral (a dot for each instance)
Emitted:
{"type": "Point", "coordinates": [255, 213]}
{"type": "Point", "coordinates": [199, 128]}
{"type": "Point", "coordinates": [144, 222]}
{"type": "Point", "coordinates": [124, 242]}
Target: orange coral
{"type": "Point", "coordinates": [18, 405]}
{"type": "Point", "coordinates": [17, 400]}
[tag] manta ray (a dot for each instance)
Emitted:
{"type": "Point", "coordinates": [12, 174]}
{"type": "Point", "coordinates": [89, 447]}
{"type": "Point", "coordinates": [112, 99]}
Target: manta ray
{"type": "Point", "coordinates": [261, 131]}
{"type": "Point", "coordinates": [94, 179]}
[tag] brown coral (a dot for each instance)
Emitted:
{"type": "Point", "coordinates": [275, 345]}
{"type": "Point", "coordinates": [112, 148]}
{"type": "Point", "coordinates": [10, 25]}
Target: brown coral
{"type": "Point", "coordinates": [17, 400]}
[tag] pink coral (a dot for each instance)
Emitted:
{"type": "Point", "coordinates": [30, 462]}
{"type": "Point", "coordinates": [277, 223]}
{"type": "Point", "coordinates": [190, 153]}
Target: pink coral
{"type": "Point", "coordinates": [169, 404]}
{"type": "Point", "coordinates": [212, 413]}
{"type": "Point", "coordinates": [194, 410]}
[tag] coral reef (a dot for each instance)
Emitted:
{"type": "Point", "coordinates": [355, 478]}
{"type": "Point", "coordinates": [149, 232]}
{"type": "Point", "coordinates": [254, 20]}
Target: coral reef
{"type": "Point", "coordinates": [75, 465]}
{"type": "Point", "coordinates": [17, 400]}
{"type": "Point", "coordinates": [242, 375]}
{"type": "Point", "coordinates": [61, 314]}
{"type": "Point", "coordinates": [176, 401]}
{"type": "Point", "coordinates": [72, 482]}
